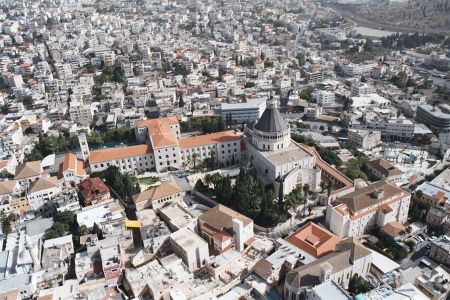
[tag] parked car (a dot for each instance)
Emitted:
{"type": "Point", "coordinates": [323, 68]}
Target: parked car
{"type": "Point", "coordinates": [164, 179]}
{"type": "Point", "coordinates": [183, 175]}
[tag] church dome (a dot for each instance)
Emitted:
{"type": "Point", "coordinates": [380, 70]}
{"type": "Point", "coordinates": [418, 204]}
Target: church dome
{"type": "Point", "coordinates": [271, 120]}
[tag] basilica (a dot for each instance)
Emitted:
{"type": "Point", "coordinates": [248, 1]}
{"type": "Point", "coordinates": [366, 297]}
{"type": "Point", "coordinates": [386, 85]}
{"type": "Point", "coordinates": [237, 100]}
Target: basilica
{"type": "Point", "coordinates": [276, 157]}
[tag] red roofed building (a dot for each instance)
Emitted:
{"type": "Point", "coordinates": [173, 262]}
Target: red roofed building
{"type": "Point", "coordinates": [314, 240]}
{"type": "Point", "coordinates": [93, 190]}
{"type": "Point", "coordinates": [71, 169]}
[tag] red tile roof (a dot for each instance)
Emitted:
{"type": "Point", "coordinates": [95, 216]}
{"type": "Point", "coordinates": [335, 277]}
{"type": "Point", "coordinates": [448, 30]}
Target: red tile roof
{"type": "Point", "coordinates": [314, 239]}
{"type": "Point", "coordinates": [92, 188]}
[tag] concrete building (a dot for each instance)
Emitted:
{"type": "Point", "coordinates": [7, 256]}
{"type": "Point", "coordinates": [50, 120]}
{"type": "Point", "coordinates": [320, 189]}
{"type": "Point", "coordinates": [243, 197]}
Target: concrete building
{"type": "Point", "coordinates": [350, 258]}
{"type": "Point", "coordinates": [223, 228]}
{"type": "Point", "coordinates": [159, 197]}
{"type": "Point", "coordinates": [324, 98]}
{"type": "Point", "coordinates": [192, 249]}
{"type": "Point", "coordinates": [41, 192]}
{"type": "Point", "coordinates": [247, 112]}
{"type": "Point", "coordinates": [80, 113]}
{"type": "Point", "coordinates": [435, 118]}
{"type": "Point", "coordinates": [381, 169]}
{"type": "Point", "coordinates": [435, 285]}
{"type": "Point", "coordinates": [365, 139]}
{"type": "Point", "coordinates": [380, 203]}
{"type": "Point", "coordinates": [440, 250]}
{"type": "Point", "coordinates": [436, 192]}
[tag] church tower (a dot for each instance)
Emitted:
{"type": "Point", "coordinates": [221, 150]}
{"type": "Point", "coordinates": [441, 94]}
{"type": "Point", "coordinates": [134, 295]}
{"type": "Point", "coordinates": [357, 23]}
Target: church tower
{"type": "Point", "coordinates": [84, 146]}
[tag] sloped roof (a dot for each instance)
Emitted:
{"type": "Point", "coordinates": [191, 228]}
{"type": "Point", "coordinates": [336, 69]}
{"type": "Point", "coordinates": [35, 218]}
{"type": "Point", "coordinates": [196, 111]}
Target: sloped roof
{"type": "Point", "coordinates": [117, 153]}
{"type": "Point", "coordinates": [314, 240]}
{"type": "Point", "coordinates": [271, 121]}
{"type": "Point", "coordinates": [43, 184]}
{"type": "Point", "coordinates": [221, 217]}
{"type": "Point", "coordinates": [384, 167]}
{"type": "Point", "coordinates": [347, 251]}
{"type": "Point", "coordinates": [158, 192]}
{"type": "Point", "coordinates": [208, 139]}
{"type": "Point", "coordinates": [394, 229]}
{"type": "Point", "coordinates": [160, 132]}
{"type": "Point", "coordinates": [7, 187]}
{"type": "Point", "coordinates": [28, 169]}
{"type": "Point", "coordinates": [365, 197]}
{"type": "Point", "coordinates": [92, 187]}
{"type": "Point", "coordinates": [72, 163]}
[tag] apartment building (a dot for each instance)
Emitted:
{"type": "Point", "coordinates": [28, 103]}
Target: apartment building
{"type": "Point", "coordinates": [192, 249]}
{"type": "Point", "coordinates": [365, 139]}
{"type": "Point", "coordinates": [357, 213]}
{"type": "Point", "coordinates": [324, 98]}
{"type": "Point", "coordinates": [437, 118]}
{"type": "Point", "coordinates": [80, 113]}
{"type": "Point", "coordinates": [249, 111]}
{"type": "Point", "coordinates": [223, 228]}
{"type": "Point", "coordinates": [41, 192]}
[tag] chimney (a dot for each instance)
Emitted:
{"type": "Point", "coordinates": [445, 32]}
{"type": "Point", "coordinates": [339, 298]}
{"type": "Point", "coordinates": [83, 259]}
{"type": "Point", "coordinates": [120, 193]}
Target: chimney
{"type": "Point", "coordinates": [238, 228]}
{"type": "Point", "coordinates": [379, 193]}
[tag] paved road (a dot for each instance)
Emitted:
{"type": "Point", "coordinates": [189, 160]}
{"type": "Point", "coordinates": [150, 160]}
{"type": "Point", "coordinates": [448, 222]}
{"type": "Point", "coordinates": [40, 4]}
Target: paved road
{"type": "Point", "coordinates": [181, 182]}
{"type": "Point", "coordinates": [415, 258]}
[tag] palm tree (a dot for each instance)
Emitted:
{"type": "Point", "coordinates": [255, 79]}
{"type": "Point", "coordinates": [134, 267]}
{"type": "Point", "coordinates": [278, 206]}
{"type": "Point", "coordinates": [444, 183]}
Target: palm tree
{"type": "Point", "coordinates": [305, 191]}
{"type": "Point", "coordinates": [208, 179]}
{"type": "Point", "coordinates": [322, 186]}
{"type": "Point", "coordinates": [194, 158]}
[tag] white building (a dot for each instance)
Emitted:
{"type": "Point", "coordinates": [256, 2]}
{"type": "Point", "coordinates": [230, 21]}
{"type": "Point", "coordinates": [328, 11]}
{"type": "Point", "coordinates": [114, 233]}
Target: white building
{"type": "Point", "coordinates": [368, 101]}
{"type": "Point", "coordinates": [41, 192]}
{"type": "Point", "coordinates": [192, 249]}
{"type": "Point", "coordinates": [249, 111]}
{"type": "Point", "coordinates": [365, 139]}
{"type": "Point", "coordinates": [276, 157]}
{"type": "Point", "coordinates": [324, 98]}
{"type": "Point", "coordinates": [163, 149]}
{"type": "Point", "coordinates": [80, 113]}
{"type": "Point", "coordinates": [380, 204]}
{"type": "Point", "coordinates": [159, 196]}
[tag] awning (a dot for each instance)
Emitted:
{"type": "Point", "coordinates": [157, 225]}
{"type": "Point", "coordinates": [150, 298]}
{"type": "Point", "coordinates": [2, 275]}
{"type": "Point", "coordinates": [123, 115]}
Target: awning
{"type": "Point", "coordinates": [132, 223]}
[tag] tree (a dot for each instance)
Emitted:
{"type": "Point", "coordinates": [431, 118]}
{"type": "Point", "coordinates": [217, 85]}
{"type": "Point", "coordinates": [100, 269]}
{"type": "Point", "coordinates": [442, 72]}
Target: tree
{"type": "Point", "coordinates": [57, 230]}
{"type": "Point", "coordinates": [126, 185]}
{"type": "Point", "coordinates": [4, 174]}
{"type": "Point", "coordinates": [194, 158]}
{"type": "Point", "coordinates": [358, 285]}
{"type": "Point", "coordinates": [305, 191]}
{"type": "Point", "coordinates": [84, 230]}
{"type": "Point", "coordinates": [200, 186]}
{"type": "Point", "coordinates": [5, 108]}
{"type": "Point", "coordinates": [6, 223]}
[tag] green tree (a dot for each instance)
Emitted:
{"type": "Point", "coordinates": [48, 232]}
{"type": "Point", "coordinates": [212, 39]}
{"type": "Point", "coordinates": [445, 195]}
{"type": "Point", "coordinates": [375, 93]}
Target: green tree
{"type": "Point", "coordinates": [84, 230]}
{"type": "Point", "coordinates": [126, 185]}
{"type": "Point", "coordinates": [200, 186]}
{"type": "Point", "coordinates": [5, 108]}
{"type": "Point", "coordinates": [358, 285]}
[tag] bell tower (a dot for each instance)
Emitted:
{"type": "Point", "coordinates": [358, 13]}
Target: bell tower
{"type": "Point", "coordinates": [84, 146]}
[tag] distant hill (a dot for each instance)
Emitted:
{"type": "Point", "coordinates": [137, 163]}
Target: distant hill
{"type": "Point", "coordinates": [403, 15]}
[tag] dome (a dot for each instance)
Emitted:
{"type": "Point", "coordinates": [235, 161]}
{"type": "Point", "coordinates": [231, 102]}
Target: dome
{"type": "Point", "coordinates": [271, 120]}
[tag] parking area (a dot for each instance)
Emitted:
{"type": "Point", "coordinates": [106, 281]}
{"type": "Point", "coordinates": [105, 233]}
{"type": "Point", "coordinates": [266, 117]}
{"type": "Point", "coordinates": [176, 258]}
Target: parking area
{"type": "Point", "coordinates": [420, 251]}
